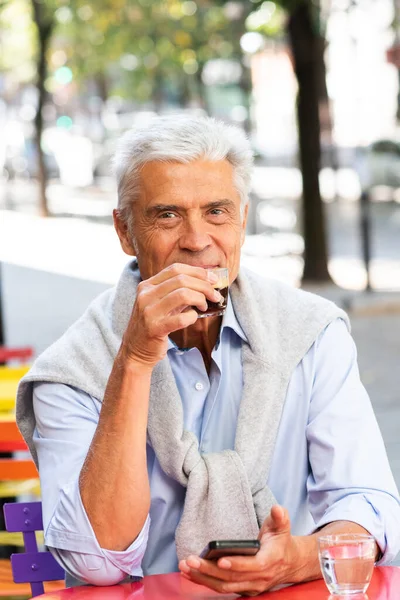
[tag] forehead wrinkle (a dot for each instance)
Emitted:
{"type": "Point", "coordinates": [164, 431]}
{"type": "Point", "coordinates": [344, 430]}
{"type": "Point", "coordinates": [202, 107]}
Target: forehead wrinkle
{"type": "Point", "coordinates": [184, 196]}
{"type": "Point", "coordinates": [156, 207]}
{"type": "Point", "coordinates": [177, 174]}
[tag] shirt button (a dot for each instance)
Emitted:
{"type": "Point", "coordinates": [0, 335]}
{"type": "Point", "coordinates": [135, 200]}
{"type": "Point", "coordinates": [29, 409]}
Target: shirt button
{"type": "Point", "coordinates": [199, 386]}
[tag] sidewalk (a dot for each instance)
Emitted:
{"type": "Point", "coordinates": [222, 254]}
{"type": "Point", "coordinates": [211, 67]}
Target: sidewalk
{"type": "Point", "coordinates": [359, 303]}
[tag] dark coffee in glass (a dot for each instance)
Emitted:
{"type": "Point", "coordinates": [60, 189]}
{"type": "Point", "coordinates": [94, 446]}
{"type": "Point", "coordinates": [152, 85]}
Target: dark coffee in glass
{"type": "Point", "coordinates": [215, 309]}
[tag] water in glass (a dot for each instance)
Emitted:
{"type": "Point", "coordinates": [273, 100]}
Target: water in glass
{"type": "Point", "coordinates": [347, 564]}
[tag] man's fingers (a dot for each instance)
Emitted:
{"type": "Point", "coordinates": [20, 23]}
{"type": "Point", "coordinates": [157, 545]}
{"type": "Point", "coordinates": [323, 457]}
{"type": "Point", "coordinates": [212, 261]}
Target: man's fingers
{"type": "Point", "coordinates": [183, 281]}
{"type": "Point", "coordinates": [180, 269]}
{"type": "Point", "coordinates": [211, 569]}
{"type": "Point", "coordinates": [174, 294]}
{"type": "Point", "coordinates": [275, 527]}
{"type": "Point", "coordinates": [278, 521]}
{"type": "Point", "coordinates": [178, 300]}
{"type": "Point", "coordinates": [280, 516]}
{"type": "Point", "coordinates": [249, 564]}
{"type": "Point", "coordinates": [182, 320]}
{"type": "Point", "coordinates": [246, 588]}
{"type": "Point", "coordinates": [250, 588]}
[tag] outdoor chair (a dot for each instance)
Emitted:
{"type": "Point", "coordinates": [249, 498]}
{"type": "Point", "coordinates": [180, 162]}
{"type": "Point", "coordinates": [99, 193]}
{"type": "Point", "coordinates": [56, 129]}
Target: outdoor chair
{"type": "Point", "coordinates": [10, 374]}
{"type": "Point", "coordinates": [32, 566]}
{"type": "Point", "coordinates": [17, 475]}
{"type": "Point", "coordinates": [23, 353]}
{"type": "Point", "coordinates": [9, 380]}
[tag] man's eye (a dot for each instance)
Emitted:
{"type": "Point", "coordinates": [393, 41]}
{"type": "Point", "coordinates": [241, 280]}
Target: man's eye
{"type": "Point", "coordinates": [216, 211]}
{"type": "Point", "coordinates": [167, 215]}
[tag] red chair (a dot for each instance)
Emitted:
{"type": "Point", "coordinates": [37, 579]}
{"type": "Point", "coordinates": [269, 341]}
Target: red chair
{"type": "Point", "coordinates": [23, 354]}
{"type": "Point", "coordinates": [10, 438]}
{"type": "Point", "coordinates": [18, 476]}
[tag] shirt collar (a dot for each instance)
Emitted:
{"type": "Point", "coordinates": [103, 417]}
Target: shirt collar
{"type": "Point", "coordinates": [228, 320]}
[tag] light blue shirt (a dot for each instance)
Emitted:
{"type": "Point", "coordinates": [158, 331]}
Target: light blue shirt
{"type": "Point", "coordinates": [329, 461]}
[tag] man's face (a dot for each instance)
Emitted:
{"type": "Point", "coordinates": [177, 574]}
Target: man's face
{"type": "Point", "coordinates": [186, 213]}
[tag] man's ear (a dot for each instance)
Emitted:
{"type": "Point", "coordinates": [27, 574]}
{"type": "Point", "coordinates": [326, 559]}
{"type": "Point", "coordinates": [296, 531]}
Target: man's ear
{"type": "Point", "coordinates": [124, 235]}
{"type": "Point", "coordinates": [244, 223]}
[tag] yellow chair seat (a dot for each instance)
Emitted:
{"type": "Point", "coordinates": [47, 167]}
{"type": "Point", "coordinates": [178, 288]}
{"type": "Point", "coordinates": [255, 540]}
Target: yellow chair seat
{"type": "Point", "coordinates": [9, 379]}
{"type": "Point", "coordinates": [12, 489]}
{"type": "Point", "coordinates": [11, 539]}
{"type": "Point", "coordinates": [8, 392]}
{"type": "Point", "coordinates": [12, 372]}
{"type": "Point", "coordinates": [5, 417]}
{"type": "Point", "coordinates": [8, 538]}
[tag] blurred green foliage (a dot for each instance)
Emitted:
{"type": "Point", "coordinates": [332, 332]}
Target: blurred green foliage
{"type": "Point", "coordinates": [135, 48]}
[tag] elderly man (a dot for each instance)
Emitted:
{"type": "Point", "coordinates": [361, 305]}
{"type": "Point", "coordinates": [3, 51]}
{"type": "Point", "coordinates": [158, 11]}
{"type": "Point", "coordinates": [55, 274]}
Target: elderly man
{"type": "Point", "coordinates": [156, 431]}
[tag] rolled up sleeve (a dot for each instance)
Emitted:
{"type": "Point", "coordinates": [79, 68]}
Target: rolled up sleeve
{"type": "Point", "coordinates": [350, 477]}
{"type": "Point", "coordinates": [66, 422]}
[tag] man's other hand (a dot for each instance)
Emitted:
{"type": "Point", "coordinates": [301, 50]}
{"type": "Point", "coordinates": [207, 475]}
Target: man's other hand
{"type": "Point", "coordinates": [278, 561]}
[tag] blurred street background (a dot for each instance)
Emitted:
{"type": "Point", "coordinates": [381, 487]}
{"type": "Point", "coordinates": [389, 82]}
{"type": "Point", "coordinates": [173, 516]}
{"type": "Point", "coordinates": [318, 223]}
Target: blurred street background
{"type": "Point", "coordinates": [315, 85]}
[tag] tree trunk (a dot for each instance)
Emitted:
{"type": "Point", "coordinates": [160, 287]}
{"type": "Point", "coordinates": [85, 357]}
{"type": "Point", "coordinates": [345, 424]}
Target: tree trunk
{"type": "Point", "coordinates": [184, 91]}
{"type": "Point", "coordinates": [201, 89]}
{"type": "Point", "coordinates": [246, 87]}
{"type": "Point", "coordinates": [304, 45]}
{"type": "Point", "coordinates": [102, 86]}
{"type": "Point", "coordinates": [158, 91]}
{"type": "Point", "coordinates": [325, 109]}
{"type": "Point", "coordinates": [44, 26]}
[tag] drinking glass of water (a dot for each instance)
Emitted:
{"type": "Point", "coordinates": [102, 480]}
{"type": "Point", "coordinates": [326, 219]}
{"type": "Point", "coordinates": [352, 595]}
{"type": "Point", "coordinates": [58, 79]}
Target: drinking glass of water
{"type": "Point", "coordinates": [347, 562]}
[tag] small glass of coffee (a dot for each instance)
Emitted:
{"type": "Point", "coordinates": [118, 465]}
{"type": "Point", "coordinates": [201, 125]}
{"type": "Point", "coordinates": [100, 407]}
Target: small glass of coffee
{"type": "Point", "coordinates": [215, 309]}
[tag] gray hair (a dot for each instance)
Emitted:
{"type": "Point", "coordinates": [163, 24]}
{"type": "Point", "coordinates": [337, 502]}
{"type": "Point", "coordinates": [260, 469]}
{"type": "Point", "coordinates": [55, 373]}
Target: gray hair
{"type": "Point", "coordinates": [179, 138]}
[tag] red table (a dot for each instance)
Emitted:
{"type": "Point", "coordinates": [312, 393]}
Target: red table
{"type": "Point", "coordinates": [385, 585]}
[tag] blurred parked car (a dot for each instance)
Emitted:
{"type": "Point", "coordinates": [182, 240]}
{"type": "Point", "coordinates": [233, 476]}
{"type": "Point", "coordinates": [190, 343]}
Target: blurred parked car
{"type": "Point", "coordinates": [382, 163]}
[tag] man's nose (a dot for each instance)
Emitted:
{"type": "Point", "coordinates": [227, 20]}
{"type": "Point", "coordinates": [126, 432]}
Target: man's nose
{"type": "Point", "coordinates": [194, 237]}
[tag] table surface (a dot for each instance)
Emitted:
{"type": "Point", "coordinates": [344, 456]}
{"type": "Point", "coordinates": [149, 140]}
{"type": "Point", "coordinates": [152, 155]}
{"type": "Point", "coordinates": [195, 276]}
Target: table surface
{"type": "Point", "coordinates": [385, 585]}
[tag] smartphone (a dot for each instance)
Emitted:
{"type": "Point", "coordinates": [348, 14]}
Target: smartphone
{"type": "Point", "coordinates": [219, 548]}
